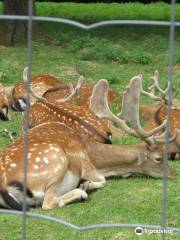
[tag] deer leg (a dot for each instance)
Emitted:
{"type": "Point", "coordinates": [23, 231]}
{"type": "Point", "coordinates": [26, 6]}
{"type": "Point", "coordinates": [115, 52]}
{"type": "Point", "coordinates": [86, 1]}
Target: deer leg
{"type": "Point", "coordinates": [94, 180]}
{"type": "Point", "coordinates": [52, 201]}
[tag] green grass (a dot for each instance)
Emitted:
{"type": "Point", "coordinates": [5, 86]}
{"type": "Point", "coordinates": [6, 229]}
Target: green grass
{"type": "Point", "coordinates": [89, 13]}
{"type": "Point", "coordinates": [117, 54]}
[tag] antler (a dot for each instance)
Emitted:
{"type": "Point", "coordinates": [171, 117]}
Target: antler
{"type": "Point", "coordinates": [99, 105]}
{"type": "Point", "coordinates": [155, 86]}
{"type": "Point", "coordinates": [130, 109]}
{"type": "Point", "coordinates": [155, 79]}
{"type": "Point", "coordinates": [25, 79]}
{"type": "Point", "coordinates": [73, 90]}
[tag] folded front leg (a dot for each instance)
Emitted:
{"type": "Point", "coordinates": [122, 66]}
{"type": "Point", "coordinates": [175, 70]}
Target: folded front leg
{"type": "Point", "coordinates": [52, 201]}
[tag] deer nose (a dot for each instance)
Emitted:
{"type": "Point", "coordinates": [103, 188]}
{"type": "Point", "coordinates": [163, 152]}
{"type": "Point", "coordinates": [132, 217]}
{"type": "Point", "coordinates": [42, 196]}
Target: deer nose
{"type": "Point", "coordinates": [4, 114]}
{"type": "Point", "coordinates": [20, 105]}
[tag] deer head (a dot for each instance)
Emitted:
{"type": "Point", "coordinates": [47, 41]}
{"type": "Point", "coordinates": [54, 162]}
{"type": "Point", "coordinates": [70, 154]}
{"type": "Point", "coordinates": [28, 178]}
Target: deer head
{"type": "Point", "coordinates": [40, 84]}
{"type": "Point", "coordinates": [147, 157]}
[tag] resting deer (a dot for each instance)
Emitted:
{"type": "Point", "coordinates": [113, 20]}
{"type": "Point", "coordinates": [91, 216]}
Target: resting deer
{"type": "Point", "coordinates": [149, 111]}
{"type": "Point", "coordinates": [40, 84]}
{"type": "Point", "coordinates": [159, 113]}
{"type": "Point", "coordinates": [59, 157]}
{"type": "Point", "coordinates": [82, 98]}
{"type": "Point", "coordinates": [4, 105]}
{"type": "Point", "coordinates": [78, 118]}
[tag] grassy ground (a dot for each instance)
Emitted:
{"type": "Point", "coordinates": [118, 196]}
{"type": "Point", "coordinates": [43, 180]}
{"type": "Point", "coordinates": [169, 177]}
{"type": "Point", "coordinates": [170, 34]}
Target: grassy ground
{"type": "Point", "coordinates": [114, 53]}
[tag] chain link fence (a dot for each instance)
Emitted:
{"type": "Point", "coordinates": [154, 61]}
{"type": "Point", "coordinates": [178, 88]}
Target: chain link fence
{"type": "Point", "coordinates": [171, 24]}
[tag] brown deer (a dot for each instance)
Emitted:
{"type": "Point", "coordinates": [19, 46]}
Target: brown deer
{"type": "Point", "coordinates": [149, 111]}
{"type": "Point", "coordinates": [82, 98]}
{"type": "Point", "coordinates": [59, 157]}
{"type": "Point", "coordinates": [43, 86]}
{"type": "Point", "coordinates": [52, 89]}
{"type": "Point", "coordinates": [4, 104]}
{"type": "Point", "coordinates": [40, 84]}
{"type": "Point", "coordinates": [78, 118]}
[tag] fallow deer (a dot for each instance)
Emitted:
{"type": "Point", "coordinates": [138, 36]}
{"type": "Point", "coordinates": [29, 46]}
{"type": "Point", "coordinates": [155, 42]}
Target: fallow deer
{"type": "Point", "coordinates": [59, 157]}
{"type": "Point", "coordinates": [78, 118]}
{"type": "Point", "coordinates": [82, 98]}
{"type": "Point", "coordinates": [52, 89]}
{"type": "Point", "coordinates": [4, 105]}
{"type": "Point", "coordinates": [149, 111]}
{"type": "Point", "coordinates": [40, 84]}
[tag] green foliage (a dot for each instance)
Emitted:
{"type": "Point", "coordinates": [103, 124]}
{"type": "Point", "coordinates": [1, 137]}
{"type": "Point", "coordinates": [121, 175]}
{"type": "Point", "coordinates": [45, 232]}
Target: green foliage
{"type": "Point", "coordinates": [90, 13]}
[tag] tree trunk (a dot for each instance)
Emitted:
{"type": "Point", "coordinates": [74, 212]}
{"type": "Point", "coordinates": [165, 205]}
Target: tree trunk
{"type": "Point", "coordinates": [14, 31]}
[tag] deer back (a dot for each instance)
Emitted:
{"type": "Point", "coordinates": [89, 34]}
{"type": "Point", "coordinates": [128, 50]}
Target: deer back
{"type": "Point", "coordinates": [78, 118]}
{"type": "Point", "coordinates": [82, 98]}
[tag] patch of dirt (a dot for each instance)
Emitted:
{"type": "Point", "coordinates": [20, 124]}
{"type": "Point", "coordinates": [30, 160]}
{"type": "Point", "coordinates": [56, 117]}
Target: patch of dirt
{"type": "Point", "coordinates": [175, 69]}
{"type": "Point", "coordinates": [2, 47]}
{"type": "Point", "coordinates": [68, 71]}
{"type": "Point", "coordinates": [92, 64]}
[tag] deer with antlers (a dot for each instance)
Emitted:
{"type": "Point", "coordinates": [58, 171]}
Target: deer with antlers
{"type": "Point", "coordinates": [52, 89]}
{"type": "Point", "coordinates": [78, 118]}
{"type": "Point", "coordinates": [40, 84]}
{"type": "Point", "coordinates": [59, 157]}
{"type": "Point", "coordinates": [159, 113]}
{"type": "Point", "coordinates": [148, 111]}
{"type": "Point", "coordinates": [82, 98]}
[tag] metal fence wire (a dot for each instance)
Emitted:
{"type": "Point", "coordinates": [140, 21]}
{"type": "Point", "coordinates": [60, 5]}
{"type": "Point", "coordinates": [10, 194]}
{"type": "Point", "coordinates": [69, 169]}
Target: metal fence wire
{"type": "Point", "coordinates": [172, 24]}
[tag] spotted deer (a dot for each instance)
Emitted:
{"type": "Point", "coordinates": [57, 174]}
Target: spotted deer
{"type": "Point", "coordinates": [158, 112]}
{"type": "Point", "coordinates": [59, 158]}
{"type": "Point", "coordinates": [40, 84]}
{"type": "Point", "coordinates": [43, 85]}
{"type": "Point", "coordinates": [82, 98]}
{"type": "Point", "coordinates": [148, 112]}
{"type": "Point", "coordinates": [5, 93]}
{"type": "Point", "coordinates": [78, 118]}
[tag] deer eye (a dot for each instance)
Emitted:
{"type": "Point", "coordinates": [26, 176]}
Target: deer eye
{"type": "Point", "coordinates": [158, 159]}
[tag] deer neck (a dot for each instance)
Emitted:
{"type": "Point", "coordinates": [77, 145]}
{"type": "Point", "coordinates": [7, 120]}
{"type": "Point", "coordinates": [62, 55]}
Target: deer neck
{"type": "Point", "coordinates": [115, 160]}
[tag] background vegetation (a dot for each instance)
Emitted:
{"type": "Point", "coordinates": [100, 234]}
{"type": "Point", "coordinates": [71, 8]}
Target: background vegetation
{"type": "Point", "coordinates": [116, 53]}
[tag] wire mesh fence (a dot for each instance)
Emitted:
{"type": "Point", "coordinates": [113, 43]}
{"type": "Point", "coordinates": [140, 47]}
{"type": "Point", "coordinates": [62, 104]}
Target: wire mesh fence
{"type": "Point", "coordinates": [172, 24]}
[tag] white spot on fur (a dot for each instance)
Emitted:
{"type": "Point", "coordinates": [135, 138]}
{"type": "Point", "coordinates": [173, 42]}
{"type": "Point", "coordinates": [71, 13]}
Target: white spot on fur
{"type": "Point", "coordinates": [13, 165]}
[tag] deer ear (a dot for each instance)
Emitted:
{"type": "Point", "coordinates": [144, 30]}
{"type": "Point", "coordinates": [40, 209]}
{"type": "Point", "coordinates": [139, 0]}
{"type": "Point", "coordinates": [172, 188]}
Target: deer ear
{"type": "Point", "coordinates": [98, 100]}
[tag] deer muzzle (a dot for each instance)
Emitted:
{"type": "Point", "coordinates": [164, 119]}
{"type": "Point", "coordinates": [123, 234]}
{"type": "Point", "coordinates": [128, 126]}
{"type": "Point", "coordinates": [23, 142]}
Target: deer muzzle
{"type": "Point", "coordinates": [20, 105]}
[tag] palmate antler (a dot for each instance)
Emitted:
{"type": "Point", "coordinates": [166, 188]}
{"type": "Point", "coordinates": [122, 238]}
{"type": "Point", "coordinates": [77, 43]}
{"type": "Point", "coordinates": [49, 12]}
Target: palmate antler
{"type": "Point", "coordinates": [129, 113]}
{"type": "Point", "coordinates": [74, 91]}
